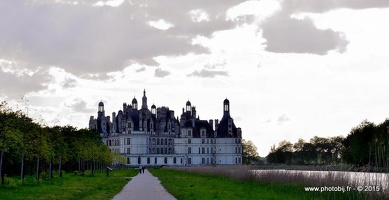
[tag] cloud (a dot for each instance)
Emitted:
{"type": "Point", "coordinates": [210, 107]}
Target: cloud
{"type": "Point", "coordinates": [142, 69]}
{"type": "Point", "coordinates": [208, 74]}
{"type": "Point", "coordinates": [161, 73]}
{"type": "Point", "coordinates": [288, 35]}
{"type": "Point", "coordinates": [98, 39]}
{"type": "Point", "coordinates": [285, 34]}
{"type": "Point", "coordinates": [78, 105]}
{"type": "Point", "coordinates": [70, 83]}
{"type": "Point", "coordinates": [282, 119]}
{"type": "Point", "coordinates": [14, 85]}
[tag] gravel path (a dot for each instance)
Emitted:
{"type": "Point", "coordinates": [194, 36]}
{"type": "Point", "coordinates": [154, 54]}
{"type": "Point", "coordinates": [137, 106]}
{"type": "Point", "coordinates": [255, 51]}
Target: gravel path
{"type": "Point", "coordinates": [144, 187]}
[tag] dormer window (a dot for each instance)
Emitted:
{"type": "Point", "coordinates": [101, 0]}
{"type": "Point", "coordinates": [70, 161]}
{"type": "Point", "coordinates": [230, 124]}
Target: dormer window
{"type": "Point", "coordinates": [203, 133]}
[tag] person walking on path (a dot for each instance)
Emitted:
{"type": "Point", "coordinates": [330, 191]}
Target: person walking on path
{"type": "Point", "coordinates": [145, 187]}
{"type": "Point", "coordinates": [140, 169]}
{"type": "Point", "coordinates": [143, 169]}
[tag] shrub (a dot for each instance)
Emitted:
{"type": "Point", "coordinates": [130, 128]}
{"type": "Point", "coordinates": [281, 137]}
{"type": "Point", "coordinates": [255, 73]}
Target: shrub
{"type": "Point", "coordinates": [44, 176]}
{"type": "Point", "coordinates": [10, 182]}
{"type": "Point", "coordinates": [88, 172]}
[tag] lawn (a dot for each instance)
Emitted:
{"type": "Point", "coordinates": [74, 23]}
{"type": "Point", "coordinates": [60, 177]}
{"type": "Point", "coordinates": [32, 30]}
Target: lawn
{"type": "Point", "coordinates": [189, 185]}
{"type": "Point", "coordinates": [70, 186]}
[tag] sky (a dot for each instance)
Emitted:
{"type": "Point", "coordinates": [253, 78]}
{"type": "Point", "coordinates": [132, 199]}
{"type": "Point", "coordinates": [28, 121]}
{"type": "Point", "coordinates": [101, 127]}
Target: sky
{"type": "Point", "coordinates": [291, 69]}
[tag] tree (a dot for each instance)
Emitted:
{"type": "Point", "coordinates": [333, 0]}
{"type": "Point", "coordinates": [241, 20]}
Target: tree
{"type": "Point", "coordinates": [10, 137]}
{"type": "Point", "coordinates": [249, 152]}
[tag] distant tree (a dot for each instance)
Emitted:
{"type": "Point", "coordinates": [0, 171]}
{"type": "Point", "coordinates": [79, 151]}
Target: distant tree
{"type": "Point", "coordinates": [358, 144]}
{"type": "Point", "coordinates": [249, 152]}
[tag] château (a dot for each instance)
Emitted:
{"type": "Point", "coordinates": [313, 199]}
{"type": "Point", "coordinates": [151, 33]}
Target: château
{"type": "Point", "coordinates": [156, 137]}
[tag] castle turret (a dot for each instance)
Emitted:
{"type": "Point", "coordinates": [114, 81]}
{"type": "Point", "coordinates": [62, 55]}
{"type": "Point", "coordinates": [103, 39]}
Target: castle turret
{"type": "Point", "coordinates": [134, 104]}
{"type": "Point", "coordinates": [144, 100]}
{"type": "Point", "coordinates": [100, 111]}
{"type": "Point", "coordinates": [226, 108]}
{"type": "Point", "coordinates": [153, 109]}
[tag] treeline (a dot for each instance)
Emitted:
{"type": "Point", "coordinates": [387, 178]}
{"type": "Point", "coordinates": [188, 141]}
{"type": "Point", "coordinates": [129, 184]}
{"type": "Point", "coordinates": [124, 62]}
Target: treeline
{"type": "Point", "coordinates": [366, 145]}
{"type": "Point", "coordinates": [318, 150]}
{"type": "Point", "coordinates": [28, 147]}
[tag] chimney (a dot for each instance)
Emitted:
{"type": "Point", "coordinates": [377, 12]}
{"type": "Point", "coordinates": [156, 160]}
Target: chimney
{"type": "Point", "coordinates": [216, 123]}
{"type": "Point", "coordinates": [211, 122]}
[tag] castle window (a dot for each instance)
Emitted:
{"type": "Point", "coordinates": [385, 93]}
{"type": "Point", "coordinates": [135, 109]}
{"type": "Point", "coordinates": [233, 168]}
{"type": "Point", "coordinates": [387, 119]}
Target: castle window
{"type": "Point", "coordinates": [128, 150]}
{"type": "Point", "coordinates": [165, 160]}
{"type": "Point", "coordinates": [189, 133]}
{"type": "Point", "coordinates": [128, 141]}
{"type": "Point", "coordinates": [189, 161]}
{"type": "Point", "coordinates": [174, 160]}
{"type": "Point", "coordinates": [189, 150]}
{"type": "Point", "coordinates": [202, 141]}
{"type": "Point", "coordinates": [148, 160]}
{"type": "Point", "coordinates": [203, 133]}
{"type": "Point", "coordinates": [189, 141]}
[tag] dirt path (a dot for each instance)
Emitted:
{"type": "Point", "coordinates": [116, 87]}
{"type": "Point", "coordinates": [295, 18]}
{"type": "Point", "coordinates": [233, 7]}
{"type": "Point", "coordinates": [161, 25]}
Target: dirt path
{"type": "Point", "coordinates": [144, 187]}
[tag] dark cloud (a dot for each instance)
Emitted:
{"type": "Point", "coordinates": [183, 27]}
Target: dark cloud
{"type": "Point", "coordinates": [161, 73]}
{"type": "Point", "coordinates": [208, 74]}
{"type": "Point", "coordinates": [14, 85]}
{"type": "Point", "coordinates": [288, 35]}
{"type": "Point", "coordinates": [90, 39]}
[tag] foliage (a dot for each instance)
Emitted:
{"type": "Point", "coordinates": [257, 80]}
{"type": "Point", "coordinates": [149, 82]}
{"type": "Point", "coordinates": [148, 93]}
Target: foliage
{"type": "Point", "coordinates": [317, 151]}
{"type": "Point", "coordinates": [367, 145]}
{"type": "Point", "coordinates": [22, 138]}
{"type": "Point", "coordinates": [249, 152]}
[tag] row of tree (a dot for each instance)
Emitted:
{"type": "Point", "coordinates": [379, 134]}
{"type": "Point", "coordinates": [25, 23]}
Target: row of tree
{"type": "Point", "coordinates": [318, 150]}
{"type": "Point", "coordinates": [28, 146]}
{"type": "Point", "coordinates": [366, 145]}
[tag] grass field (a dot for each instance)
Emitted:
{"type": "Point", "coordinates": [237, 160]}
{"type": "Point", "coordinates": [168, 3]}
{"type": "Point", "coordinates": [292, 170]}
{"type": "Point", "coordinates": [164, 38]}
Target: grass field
{"type": "Point", "coordinates": [70, 186]}
{"type": "Point", "coordinates": [189, 185]}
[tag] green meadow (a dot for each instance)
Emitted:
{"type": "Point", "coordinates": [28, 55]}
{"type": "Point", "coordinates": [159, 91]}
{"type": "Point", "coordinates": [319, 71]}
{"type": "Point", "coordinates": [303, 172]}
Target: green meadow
{"type": "Point", "coordinates": [70, 186]}
{"type": "Point", "coordinates": [194, 185]}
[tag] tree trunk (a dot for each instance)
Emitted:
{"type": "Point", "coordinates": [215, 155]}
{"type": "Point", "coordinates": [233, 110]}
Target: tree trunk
{"type": "Point", "coordinates": [1, 167]}
{"type": "Point", "coordinates": [37, 167]}
{"type": "Point", "coordinates": [79, 165]}
{"type": "Point", "coordinates": [30, 166]}
{"type": "Point", "coordinates": [59, 167]}
{"type": "Point", "coordinates": [51, 168]}
{"type": "Point", "coordinates": [22, 169]}
{"type": "Point", "coordinates": [92, 166]}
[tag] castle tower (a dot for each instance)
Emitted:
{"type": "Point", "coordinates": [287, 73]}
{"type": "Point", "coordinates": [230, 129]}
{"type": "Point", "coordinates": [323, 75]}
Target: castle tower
{"type": "Point", "coordinates": [144, 100]}
{"type": "Point", "coordinates": [153, 109]}
{"type": "Point", "coordinates": [100, 111]}
{"type": "Point", "coordinates": [188, 106]}
{"type": "Point", "coordinates": [226, 108]}
{"type": "Point", "coordinates": [134, 103]}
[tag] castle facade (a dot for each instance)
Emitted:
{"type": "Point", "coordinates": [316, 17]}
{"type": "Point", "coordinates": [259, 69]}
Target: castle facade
{"type": "Point", "coordinates": [156, 137]}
